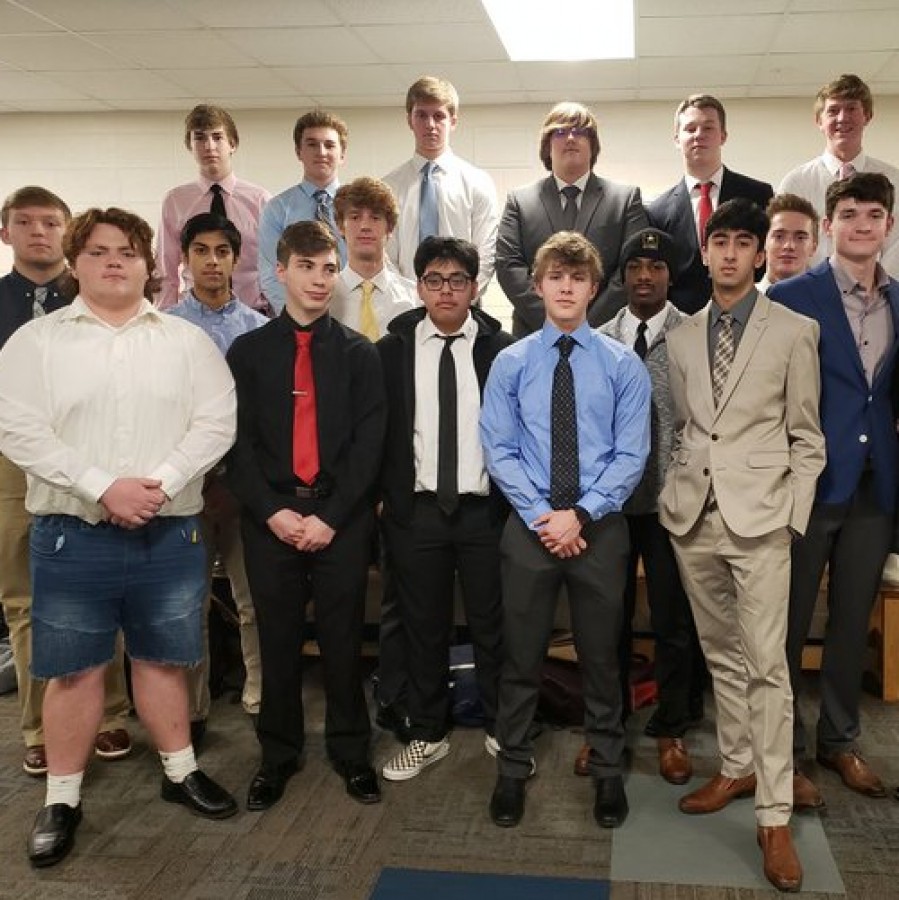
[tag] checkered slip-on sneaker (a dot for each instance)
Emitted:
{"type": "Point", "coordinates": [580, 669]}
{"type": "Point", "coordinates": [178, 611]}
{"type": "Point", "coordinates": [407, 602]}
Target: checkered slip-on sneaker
{"type": "Point", "coordinates": [410, 761]}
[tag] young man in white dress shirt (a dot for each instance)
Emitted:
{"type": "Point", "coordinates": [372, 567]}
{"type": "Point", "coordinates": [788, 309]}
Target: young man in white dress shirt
{"type": "Point", "coordinates": [368, 293]}
{"type": "Point", "coordinates": [438, 193]}
{"type": "Point", "coordinates": [115, 411]}
{"type": "Point", "coordinates": [843, 110]}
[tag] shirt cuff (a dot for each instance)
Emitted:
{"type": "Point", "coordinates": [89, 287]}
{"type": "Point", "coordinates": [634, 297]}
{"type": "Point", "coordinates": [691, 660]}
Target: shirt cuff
{"type": "Point", "coordinates": [173, 482]}
{"type": "Point", "coordinates": [93, 484]}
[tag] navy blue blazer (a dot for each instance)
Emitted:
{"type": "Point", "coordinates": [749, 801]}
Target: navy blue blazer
{"type": "Point", "coordinates": [858, 421]}
{"type": "Point", "coordinates": [673, 212]}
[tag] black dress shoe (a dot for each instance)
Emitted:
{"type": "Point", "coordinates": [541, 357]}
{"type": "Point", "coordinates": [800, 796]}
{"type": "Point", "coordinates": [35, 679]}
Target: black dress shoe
{"type": "Point", "coordinates": [361, 781]}
{"type": "Point", "coordinates": [507, 802]}
{"type": "Point", "coordinates": [53, 834]}
{"type": "Point", "coordinates": [267, 786]}
{"type": "Point", "coordinates": [391, 718]}
{"type": "Point", "coordinates": [610, 809]}
{"type": "Point", "coordinates": [201, 795]}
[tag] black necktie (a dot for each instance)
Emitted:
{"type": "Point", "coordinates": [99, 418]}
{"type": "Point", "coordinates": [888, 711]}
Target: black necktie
{"type": "Point", "coordinates": [640, 344]}
{"type": "Point", "coordinates": [217, 207]}
{"type": "Point", "coordinates": [448, 430]}
{"type": "Point", "coordinates": [569, 214]}
{"type": "Point", "coordinates": [564, 468]}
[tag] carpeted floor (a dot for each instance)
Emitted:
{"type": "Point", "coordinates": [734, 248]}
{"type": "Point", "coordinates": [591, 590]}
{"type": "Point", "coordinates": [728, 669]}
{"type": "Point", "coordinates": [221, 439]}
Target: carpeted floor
{"type": "Point", "coordinates": [317, 844]}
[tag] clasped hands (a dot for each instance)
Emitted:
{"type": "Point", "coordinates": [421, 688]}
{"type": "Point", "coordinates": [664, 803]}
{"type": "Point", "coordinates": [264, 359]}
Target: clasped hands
{"type": "Point", "coordinates": [306, 533]}
{"type": "Point", "coordinates": [560, 532]}
{"type": "Point", "coordinates": [132, 502]}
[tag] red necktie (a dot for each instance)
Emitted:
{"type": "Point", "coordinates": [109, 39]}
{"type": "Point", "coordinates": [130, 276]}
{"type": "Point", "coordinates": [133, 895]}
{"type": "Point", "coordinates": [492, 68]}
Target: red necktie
{"type": "Point", "coordinates": [305, 427]}
{"type": "Point", "coordinates": [705, 209]}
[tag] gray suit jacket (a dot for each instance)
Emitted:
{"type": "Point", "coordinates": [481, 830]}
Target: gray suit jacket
{"type": "Point", "coordinates": [609, 214]}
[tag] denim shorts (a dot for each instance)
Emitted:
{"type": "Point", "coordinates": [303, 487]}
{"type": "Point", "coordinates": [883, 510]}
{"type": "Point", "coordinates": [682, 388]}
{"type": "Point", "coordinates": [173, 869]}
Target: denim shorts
{"type": "Point", "coordinates": [90, 581]}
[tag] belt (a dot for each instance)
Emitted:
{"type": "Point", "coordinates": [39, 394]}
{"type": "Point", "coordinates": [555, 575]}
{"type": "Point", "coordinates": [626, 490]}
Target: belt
{"type": "Point", "coordinates": [310, 493]}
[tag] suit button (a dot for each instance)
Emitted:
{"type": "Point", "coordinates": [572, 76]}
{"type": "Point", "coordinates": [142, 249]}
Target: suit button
{"type": "Point", "coordinates": [863, 439]}
{"type": "Point", "coordinates": [705, 471]}
{"type": "Point", "coordinates": [714, 437]}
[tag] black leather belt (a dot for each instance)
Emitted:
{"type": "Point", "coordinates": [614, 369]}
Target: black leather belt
{"type": "Point", "coordinates": [310, 493]}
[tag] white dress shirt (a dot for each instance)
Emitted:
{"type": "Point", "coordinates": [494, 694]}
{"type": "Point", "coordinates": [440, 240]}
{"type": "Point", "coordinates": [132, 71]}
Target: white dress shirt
{"type": "Point", "coordinates": [654, 326]}
{"type": "Point", "coordinates": [581, 184]}
{"type": "Point", "coordinates": [812, 179]}
{"type": "Point", "coordinates": [693, 186]}
{"type": "Point", "coordinates": [467, 209]}
{"type": "Point", "coordinates": [429, 345]}
{"type": "Point", "coordinates": [83, 403]}
{"type": "Point", "coordinates": [393, 295]}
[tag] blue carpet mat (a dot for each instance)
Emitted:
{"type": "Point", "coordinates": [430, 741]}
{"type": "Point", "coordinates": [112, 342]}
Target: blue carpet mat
{"type": "Point", "coordinates": [415, 884]}
{"type": "Point", "coordinates": [658, 843]}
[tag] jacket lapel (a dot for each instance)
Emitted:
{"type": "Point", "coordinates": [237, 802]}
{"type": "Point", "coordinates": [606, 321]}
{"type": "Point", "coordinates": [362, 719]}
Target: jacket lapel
{"type": "Point", "coordinates": [552, 205]}
{"type": "Point", "coordinates": [593, 191]}
{"type": "Point", "coordinates": [699, 349]}
{"type": "Point", "coordinates": [830, 306]}
{"type": "Point", "coordinates": [755, 328]}
{"type": "Point", "coordinates": [686, 221]}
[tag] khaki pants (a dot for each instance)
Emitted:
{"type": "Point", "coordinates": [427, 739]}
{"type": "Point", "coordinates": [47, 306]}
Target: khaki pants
{"type": "Point", "coordinates": [15, 595]}
{"type": "Point", "coordinates": [221, 533]}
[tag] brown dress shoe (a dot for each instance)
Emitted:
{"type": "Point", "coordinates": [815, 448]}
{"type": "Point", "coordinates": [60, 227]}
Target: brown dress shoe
{"type": "Point", "coordinates": [782, 866]}
{"type": "Point", "coordinates": [112, 744]}
{"type": "Point", "coordinates": [582, 761]}
{"type": "Point", "coordinates": [805, 794]}
{"type": "Point", "coordinates": [674, 760]}
{"type": "Point", "coordinates": [716, 794]}
{"type": "Point", "coordinates": [855, 772]}
{"type": "Point", "coordinates": [35, 762]}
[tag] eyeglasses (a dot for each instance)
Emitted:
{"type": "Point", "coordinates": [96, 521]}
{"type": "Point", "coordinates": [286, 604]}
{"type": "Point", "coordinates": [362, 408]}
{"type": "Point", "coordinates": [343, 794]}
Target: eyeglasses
{"type": "Point", "coordinates": [434, 282]}
{"type": "Point", "coordinates": [570, 131]}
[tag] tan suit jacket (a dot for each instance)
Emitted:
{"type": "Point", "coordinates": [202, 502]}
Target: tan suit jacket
{"type": "Point", "coordinates": [762, 448]}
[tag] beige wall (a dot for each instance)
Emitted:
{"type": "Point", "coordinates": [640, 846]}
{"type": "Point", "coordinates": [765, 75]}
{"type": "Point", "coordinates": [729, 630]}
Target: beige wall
{"type": "Point", "coordinates": [131, 159]}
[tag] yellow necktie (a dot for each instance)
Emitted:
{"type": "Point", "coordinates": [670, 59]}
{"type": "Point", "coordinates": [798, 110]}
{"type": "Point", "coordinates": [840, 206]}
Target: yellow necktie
{"type": "Point", "coordinates": [368, 324]}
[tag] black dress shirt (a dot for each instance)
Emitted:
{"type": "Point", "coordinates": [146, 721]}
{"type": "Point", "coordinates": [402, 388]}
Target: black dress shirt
{"type": "Point", "coordinates": [350, 414]}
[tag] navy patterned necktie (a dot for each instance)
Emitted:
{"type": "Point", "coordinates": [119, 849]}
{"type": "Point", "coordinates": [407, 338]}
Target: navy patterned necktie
{"type": "Point", "coordinates": [564, 469]}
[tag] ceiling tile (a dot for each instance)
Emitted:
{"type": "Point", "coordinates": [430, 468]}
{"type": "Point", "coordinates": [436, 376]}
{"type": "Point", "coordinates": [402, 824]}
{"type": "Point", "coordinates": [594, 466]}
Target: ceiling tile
{"type": "Point", "coordinates": [232, 82]}
{"type": "Point", "coordinates": [793, 69]}
{"type": "Point", "coordinates": [301, 46]}
{"type": "Point", "coordinates": [693, 8]}
{"type": "Point", "coordinates": [697, 74]}
{"type": "Point", "coordinates": [129, 84]}
{"type": "Point", "coordinates": [173, 49]}
{"type": "Point", "coordinates": [110, 15]}
{"type": "Point", "coordinates": [466, 77]}
{"type": "Point", "coordinates": [58, 51]}
{"type": "Point", "coordinates": [433, 43]}
{"type": "Point", "coordinates": [822, 32]}
{"type": "Point", "coordinates": [710, 35]}
{"type": "Point", "coordinates": [338, 80]}
{"type": "Point", "coordinates": [575, 77]}
{"type": "Point", "coordinates": [21, 88]}
{"type": "Point", "coordinates": [259, 13]}
{"type": "Point", "coordinates": [399, 12]}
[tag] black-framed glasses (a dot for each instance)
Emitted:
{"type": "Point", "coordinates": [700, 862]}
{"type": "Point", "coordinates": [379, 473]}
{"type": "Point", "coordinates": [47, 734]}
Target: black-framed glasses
{"type": "Point", "coordinates": [575, 131]}
{"type": "Point", "coordinates": [435, 282]}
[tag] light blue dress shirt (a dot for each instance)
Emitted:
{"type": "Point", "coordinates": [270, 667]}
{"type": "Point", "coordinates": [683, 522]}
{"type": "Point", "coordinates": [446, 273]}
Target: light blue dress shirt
{"type": "Point", "coordinates": [296, 204]}
{"type": "Point", "coordinates": [221, 325]}
{"type": "Point", "coordinates": [612, 393]}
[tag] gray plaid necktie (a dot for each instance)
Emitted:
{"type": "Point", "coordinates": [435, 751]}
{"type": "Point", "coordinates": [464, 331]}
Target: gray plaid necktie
{"type": "Point", "coordinates": [724, 355]}
{"type": "Point", "coordinates": [40, 298]}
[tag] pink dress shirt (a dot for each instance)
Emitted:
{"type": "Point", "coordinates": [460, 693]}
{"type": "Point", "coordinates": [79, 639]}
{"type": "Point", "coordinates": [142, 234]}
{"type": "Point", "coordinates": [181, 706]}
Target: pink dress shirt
{"type": "Point", "coordinates": [243, 204]}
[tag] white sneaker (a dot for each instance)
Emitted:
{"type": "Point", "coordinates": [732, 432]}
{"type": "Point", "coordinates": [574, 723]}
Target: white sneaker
{"type": "Point", "coordinates": [410, 761]}
{"type": "Point", "coordinates": [491, 745]}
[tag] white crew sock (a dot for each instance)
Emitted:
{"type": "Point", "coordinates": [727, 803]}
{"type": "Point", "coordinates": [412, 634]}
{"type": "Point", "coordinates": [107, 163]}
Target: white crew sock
{"type": "Point", "coordinates": [64, 789]}
{"type": "Point", "coordinates": [180, 764]}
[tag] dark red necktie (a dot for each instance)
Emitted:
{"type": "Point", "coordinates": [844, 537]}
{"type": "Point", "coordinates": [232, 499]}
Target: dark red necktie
{"type": "Point", "coordinates": [705, 209]}
{"type": "Point", "coordinates": [305, 426]}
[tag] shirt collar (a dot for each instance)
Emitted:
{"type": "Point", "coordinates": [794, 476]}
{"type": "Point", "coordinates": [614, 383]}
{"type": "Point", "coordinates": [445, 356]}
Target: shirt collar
{"type": "Point", "coordinates": [352, 279]}
{"type": "Point", "coordinates": [716, 179]}
{"type": "Point", "coordinates": [550, 334]}
{"type": "Point", "coordinates": [320, 327]}
{"type": "Point", "coordinates": [310, 189]}
{"type": "Point", "coordinates": [654, 324]}
{"type": "Point", "coordinates": [847, 284]}
{"type": "Point", "coordinates": [740, 311]}
{"type": "Point", "coordinates": [192, 302]}
{"type": "Point", "coordinates": [580, 183]}
{"type": "Point", "coordinates": [833, 165]}
{"type": "Point", "coordinates": [468, 330]}
{"type": "Point", "coordinates": [445, 161]}
{"type": "Point", "coordinates": [78, 309]}
{"type": "Point", "coordinates": [228, 183]}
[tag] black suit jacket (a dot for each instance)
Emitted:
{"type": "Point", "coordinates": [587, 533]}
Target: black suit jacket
{"type": "Point", "coordinates": [350, 417]}
{"type": "Point", "coordinates": [397, 350]}
{"type": "Point", "coordinates": [608, 215]}
{"type": "Point", "coordinates": [672, 212]}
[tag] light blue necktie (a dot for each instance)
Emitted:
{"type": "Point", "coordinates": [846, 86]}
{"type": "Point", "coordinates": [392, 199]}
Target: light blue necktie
{"type": "Point", "coordinates": [428, 222]}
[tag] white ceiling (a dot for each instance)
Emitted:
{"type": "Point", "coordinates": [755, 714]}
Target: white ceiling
{"type": "Point", "coordinates": [77, 55]}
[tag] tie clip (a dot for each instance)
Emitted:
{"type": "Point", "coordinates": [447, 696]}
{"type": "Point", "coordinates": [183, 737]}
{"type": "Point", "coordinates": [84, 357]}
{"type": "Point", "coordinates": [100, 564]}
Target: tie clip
{"type": "Point", "coordinates": [300, 393]}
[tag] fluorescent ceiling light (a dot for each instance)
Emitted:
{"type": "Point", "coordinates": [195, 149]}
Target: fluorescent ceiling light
{"type": "Point", "coordinates": [564, 30]}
